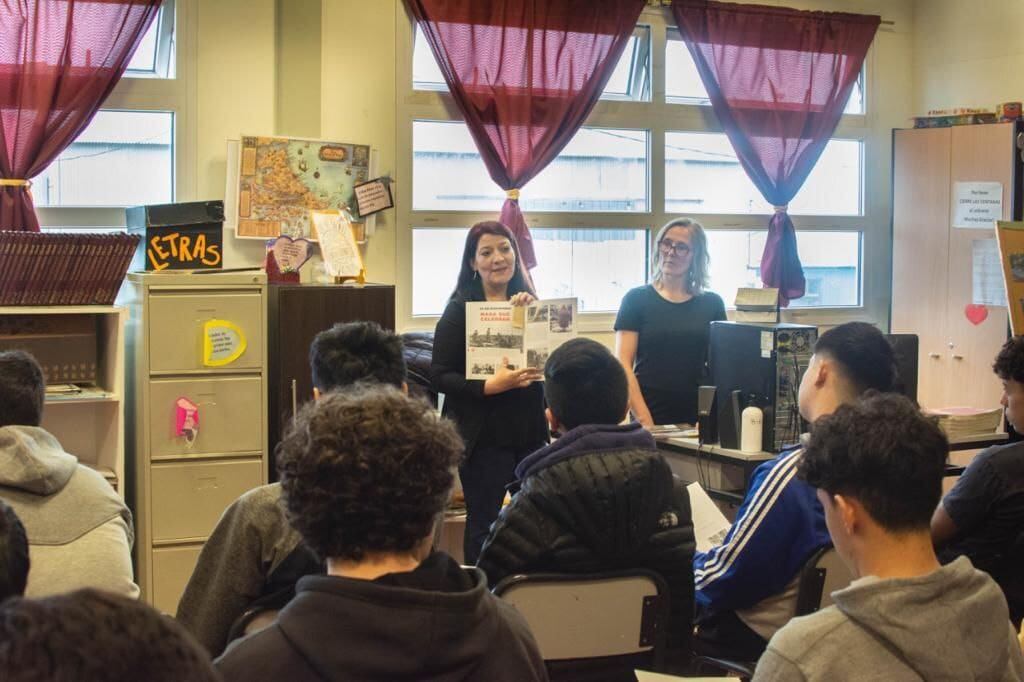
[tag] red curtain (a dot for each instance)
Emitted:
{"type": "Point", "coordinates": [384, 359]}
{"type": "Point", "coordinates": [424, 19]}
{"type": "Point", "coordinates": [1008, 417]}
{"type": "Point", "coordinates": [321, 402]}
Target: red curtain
{"type": "Point", "coordinates": [778, 80]}
{"type": "Point", "coordinates": [525, 74]}
{"type": "Point", "coordinates": [59, 59]}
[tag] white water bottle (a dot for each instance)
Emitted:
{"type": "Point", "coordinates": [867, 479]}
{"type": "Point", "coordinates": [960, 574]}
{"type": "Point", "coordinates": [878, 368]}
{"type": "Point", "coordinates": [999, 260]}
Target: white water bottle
{"type": "Point", "coordinates": [752, 423]}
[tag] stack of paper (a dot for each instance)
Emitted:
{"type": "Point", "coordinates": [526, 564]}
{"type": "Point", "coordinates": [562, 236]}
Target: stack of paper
{"type": "Point", "coordinates": [960, 422]}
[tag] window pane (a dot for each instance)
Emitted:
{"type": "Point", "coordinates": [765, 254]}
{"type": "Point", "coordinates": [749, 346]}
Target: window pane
{"type": "Point", "coordinates": [684, 86]}
{"type": "Point", "coordinates": [601, 169]}
{"type": "Point", "coordinates": [144, 58]}
{"type": "Point", "coordinates": [154, 57]}
{"type": "Point", "coordinates": [703, 175]}
{"type": "Point", "coordinates": [124, 158]}
{"type": "Point", "coordinates": [831, 263]}
{"type": "Point", "coordinates": [599, 266]}
{"type": "Point", "coordinates": [631, 79]}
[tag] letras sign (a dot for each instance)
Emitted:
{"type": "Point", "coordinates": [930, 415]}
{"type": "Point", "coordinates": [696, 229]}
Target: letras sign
{"type": "Point", "coordinates": [195, 247]}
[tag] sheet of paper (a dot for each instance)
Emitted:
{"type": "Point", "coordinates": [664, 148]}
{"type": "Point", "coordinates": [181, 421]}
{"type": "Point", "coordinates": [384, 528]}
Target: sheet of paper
{"type": "Point", "coordinates": [987, 273]}
{"type": "Point", "coordinates": [977, 205]}
{"type": "Point", "coordinates": [709, 523]}
{"type": "Point", "coordinates": [373, 196]}
{"type": "Point", "coordinates": [337, 243]}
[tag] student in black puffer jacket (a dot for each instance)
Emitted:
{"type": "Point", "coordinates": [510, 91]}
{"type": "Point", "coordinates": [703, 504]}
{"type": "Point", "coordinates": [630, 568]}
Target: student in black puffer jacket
{"type": "Point", "coordinates": [599, 498]}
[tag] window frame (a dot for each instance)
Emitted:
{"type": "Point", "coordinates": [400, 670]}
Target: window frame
{"type": "Point", "coordinates": [658, 116]}
{"type": "Point", "coordinates": [140, 91]}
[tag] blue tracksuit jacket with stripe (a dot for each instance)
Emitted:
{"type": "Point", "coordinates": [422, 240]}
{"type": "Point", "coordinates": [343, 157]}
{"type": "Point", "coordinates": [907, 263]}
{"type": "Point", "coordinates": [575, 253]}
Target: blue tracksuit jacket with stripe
{"type": "Point", "coordinates": [778, 527]}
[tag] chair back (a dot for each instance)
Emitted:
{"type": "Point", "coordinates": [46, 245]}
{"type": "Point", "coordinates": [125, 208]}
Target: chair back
{"type": "Point", "coordinates": [585, 616]}
{"type": "Point", "coordinates": [822, 574]}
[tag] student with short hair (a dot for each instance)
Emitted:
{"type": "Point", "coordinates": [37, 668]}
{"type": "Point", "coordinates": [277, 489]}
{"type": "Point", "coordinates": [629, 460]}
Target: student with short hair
{"type": "Point", "coordinates": [79, 530]}
{"type": "Point", "coordinates": [746, 587]}
{"type": "Point", "coordinates": [364, 475]}
{"type": "Point", "coordinates": [94, 636]}
{"type": "Point", "coordinates": [254, 557]}
{"type": "Point", "coordinates": [600, 497]}
{"type": "Point", "coordinates": [877, 466]}
{"type": "Point", "coordinates": [982, 517]}
{"type": "Point", "coordinates": [14, 560]}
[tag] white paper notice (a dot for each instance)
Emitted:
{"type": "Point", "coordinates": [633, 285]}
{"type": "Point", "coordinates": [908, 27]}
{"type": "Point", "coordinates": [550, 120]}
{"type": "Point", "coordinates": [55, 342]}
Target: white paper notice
{"type": "Point", "coordinates": [977, 205]}
{"type": "Point", "coordinates": [709, 523]}
{"type": "Point", "coordinates": [337, 244]}
{"type": "Point", "coordinates": [987, 273]}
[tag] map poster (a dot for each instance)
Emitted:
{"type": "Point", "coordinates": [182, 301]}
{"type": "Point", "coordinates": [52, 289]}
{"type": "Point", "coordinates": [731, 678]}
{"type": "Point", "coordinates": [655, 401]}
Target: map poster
{"type": "Point", "coordinates": [282, 179]}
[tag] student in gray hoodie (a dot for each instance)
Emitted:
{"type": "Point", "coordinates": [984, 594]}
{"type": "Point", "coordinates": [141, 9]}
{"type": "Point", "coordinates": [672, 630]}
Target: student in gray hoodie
{"type": "Point", "coordinates": [878, 466]}
{"type": "Point", "coordinates": [79, 530]}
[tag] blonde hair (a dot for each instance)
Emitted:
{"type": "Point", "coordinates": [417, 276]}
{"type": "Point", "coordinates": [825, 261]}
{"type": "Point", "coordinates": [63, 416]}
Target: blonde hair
{"type": "Point", "coordinates": [697, 276]}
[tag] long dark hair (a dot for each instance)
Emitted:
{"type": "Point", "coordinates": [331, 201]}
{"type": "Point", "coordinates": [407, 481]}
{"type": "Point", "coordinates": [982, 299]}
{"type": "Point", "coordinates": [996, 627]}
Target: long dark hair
{"type": "Point", "coordinates": [468, 285]}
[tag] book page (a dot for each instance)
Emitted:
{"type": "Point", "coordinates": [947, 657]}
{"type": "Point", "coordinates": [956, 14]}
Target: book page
{"type": "Point", "coordinates": [492, 334]}
{"type": "Point", "coordinates": [709, 523]}
{"type": "Point", "coordinates": [549, 324]}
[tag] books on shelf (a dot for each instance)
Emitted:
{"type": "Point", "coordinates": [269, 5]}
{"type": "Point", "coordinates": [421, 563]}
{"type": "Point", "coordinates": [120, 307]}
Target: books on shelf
{"type": "Point", "coordinates": [41, 269]}
{"type": "Point", "coordinates": [960, 422]}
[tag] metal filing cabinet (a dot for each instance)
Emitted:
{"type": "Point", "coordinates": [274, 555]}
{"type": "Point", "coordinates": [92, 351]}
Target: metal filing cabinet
{"type": "Point", "coordinates": [180, 488]}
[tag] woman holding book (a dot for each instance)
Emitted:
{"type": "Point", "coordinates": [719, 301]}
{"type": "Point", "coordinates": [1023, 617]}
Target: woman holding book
{"type": "Point", "coordinates": [501, 420]}
{"type": "Point", "coordinates": [662, 329]}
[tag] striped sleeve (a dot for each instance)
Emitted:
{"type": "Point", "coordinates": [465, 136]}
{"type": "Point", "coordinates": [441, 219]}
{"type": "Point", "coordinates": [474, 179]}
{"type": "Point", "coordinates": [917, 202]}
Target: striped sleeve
{"type": "Point", "coordinates": [756, 558]}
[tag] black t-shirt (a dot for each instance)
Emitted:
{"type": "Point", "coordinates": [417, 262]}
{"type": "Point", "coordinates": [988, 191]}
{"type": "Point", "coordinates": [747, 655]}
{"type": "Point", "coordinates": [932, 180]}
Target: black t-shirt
{"type": "Point", "coordinates": [672, 349]}
{"type": "Point", "coordinates": [987, 506]}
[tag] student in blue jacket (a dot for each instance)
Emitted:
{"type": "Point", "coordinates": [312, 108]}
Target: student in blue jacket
{"type": "Point", "coordinates": [746, 587]}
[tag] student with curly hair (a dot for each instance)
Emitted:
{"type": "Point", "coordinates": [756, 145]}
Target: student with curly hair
{"type": "Point", "coordinates": [364, 476]}
{"type": "Point", "coordinates": [982, 517]}
{"type": "Point", "coordinates": [877, 465]}
{"type": "Point", "coordinates": [253, 558]}
{"type": "Point", "coordinates": [95, 636]}
{"type": "Point", "coordinates": [14, 562]}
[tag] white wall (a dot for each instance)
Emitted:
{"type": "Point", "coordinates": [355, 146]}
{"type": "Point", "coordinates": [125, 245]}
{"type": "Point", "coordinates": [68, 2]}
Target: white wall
{"type": "Point", "coordinates": [967, 54]}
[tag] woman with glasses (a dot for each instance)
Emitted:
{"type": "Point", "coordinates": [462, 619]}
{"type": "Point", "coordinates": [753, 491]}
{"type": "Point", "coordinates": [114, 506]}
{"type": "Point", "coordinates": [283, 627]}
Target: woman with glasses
{"type": "Point", "coordinates": [661, 332]}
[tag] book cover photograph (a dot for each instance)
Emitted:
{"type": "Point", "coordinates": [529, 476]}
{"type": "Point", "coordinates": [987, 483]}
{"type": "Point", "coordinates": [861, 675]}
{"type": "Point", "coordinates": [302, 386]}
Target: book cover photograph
{"type": "Point", "coordinates": [522, 335]}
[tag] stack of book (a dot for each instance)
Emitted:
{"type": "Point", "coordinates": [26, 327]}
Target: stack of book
{"type": "Point", "coordinates": [63, 269]}
{"type": "Point", "coordinates": [959, 116]}
{"type": "Point", "coordinates": [961, 422]}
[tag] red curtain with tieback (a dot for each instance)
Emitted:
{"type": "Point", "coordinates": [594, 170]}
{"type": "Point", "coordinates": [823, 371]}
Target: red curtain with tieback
{"type": "Point", "coordinates": [778, 80]}
{"type": "Point", "coordinates": [59, 60]}
{"type": "Point", "coordinates": [525, 74]}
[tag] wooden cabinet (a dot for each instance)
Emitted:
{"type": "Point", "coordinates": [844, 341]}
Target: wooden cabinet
{"type": "Point", "coordinates": [180, 488]}
{"type": "Point", "coordinates": [90, 422]}
{"type": "Point", "coordinates": [933, 262]}
{"type": "Point", "coordinates": [297, 313]}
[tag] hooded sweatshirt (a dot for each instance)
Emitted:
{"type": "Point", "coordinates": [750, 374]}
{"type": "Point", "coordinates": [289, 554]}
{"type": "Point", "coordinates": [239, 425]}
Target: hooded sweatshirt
{"type": "Point", "coordinates": [79, 530]}
{"type": "Point", "coordinates": [438, 622]}
{"type": "Point", "coordinates": [951, 624]}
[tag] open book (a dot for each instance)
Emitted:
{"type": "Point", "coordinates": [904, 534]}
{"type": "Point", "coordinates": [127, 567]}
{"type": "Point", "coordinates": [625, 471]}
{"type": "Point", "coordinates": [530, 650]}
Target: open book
{"type": "Point", "coordinates": [526, 335]}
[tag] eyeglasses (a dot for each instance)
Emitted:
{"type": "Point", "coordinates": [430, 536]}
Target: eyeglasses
{"type": "Point", "coordinates": [667, 246]}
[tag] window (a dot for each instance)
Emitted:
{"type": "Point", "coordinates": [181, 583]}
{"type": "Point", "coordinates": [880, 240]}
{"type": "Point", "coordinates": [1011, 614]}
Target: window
{"type": "Point", "coordinates": [599, 170]}
{"type": "Point", "coordinates": [132, 153]}
{"type": "Point", "coordinates": [651, 150]}
{"type": "Point", "coordinates": [831, 260]}
{"type": "Point", "coordinates": [124, 158]}
{"type": "Point", "coordinates": [597, 265]}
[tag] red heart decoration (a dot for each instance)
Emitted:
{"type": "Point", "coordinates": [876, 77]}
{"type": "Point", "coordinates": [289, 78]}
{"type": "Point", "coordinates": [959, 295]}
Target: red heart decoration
{"type": "Point", "coordinates": [976, 314]}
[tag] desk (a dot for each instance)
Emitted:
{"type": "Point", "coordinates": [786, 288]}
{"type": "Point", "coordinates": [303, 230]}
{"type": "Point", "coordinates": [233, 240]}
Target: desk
{"type": "Point", "coordinates": [686, 455]}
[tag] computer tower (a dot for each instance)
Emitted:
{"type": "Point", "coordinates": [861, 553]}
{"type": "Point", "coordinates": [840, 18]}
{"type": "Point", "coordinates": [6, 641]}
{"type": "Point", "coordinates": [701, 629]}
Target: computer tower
{"type": "Point", "coordinates": [760, 363]}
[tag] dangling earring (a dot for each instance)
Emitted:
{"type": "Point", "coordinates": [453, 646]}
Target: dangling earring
{"type": "Point", "coordinates": [475, 273]}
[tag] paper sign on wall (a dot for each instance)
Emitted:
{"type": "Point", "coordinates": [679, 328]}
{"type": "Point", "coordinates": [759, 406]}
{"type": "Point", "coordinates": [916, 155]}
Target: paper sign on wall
{"type": "Point", "coordinates": [337, 244]}
{"type": "Point", "coordinates": [223, 343]}
{"type": "Point", "coordinates": [977, 205]}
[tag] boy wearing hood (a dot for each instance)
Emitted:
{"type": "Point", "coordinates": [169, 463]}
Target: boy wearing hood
{"type": "Point", "coordinates": [600, 497]}
{"type": "Point", "coordinates": [878, 467]}
{"type": "Point", "coordinates": [364, 476]}
{"type": "Point", "coordinates": [79, 530]}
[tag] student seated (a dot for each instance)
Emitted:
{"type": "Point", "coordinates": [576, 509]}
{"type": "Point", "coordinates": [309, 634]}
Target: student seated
{"type": "Point", "coordinates": [79, 531]}
{"type": "Point", "coordinates": [878, 467]}
{"type": "Point", "coordinates": [746, 587]}
{"type": "Point", "coordinates": [254, 557]}
{"type": "Point", "coordinates": [14, 560]}
{"type": "Point", "coordinates": [600, 497]}
{"type": "Point", "coordinates": [364, 476]}
{"type": "Point", "coordinates": [982, 517]}
{"type": "Point", "coordinates": [94, 636]}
